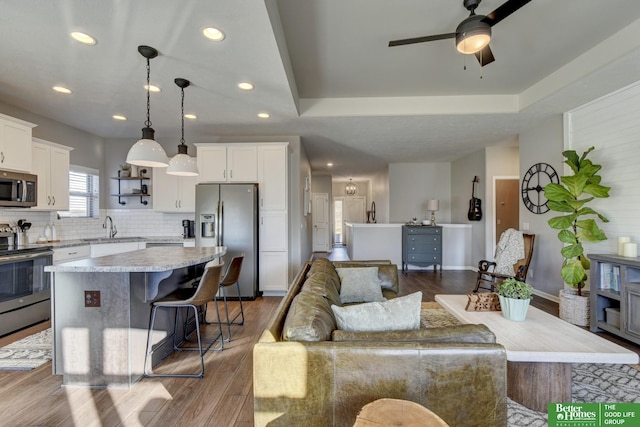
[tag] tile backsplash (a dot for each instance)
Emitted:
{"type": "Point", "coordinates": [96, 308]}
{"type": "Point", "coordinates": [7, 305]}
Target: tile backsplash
{"type": "Point", "coordinates": [129, 223]}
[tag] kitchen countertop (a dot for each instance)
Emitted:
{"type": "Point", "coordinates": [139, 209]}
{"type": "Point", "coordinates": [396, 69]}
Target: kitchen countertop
{"type": "Point", "coordinates": [103, 240]}
{"type": "Point", "coordinates": [142, 260]}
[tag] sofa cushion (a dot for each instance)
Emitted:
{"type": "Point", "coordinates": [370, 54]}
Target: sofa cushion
{"type": "Point", "coordinates": [323, 265]}
{"type": "Point", "coordinates": [309, 318]}
{"type": "Point", "coordinates": [459, 334]}
{"type": "Point", "coordinates": [359, 285]}
{"type": "Point", "coordinates": [325, 284]}
{"type": "Point", "coordinates": [398, 314]}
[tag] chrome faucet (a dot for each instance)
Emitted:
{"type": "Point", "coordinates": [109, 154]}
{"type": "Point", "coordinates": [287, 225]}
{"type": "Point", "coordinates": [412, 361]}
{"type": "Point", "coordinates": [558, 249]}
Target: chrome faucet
{"type": "Point", "coordinates": [112, 228]}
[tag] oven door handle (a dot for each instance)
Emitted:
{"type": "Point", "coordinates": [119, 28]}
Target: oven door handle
{"type": "Point", "coordinates": [10, 258]}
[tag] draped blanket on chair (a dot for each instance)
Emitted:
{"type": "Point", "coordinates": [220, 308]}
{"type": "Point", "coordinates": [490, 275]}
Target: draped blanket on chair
{"type": "Point", "coordinates": [509, 250]}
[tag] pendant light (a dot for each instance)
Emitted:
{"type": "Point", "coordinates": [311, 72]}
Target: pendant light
{"type": "Point", "coordinates": [182, 164]}
{"type": "Point", "coordinates": [350, 188]}
{"type": "Point", "coordinates": [147, 152]}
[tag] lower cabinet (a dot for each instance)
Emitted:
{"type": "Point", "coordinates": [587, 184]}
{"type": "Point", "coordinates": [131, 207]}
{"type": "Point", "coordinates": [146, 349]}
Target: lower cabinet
{"type": "Point", "coordinates": [273, 272]}
{"type": "Point", "coordinates": [73, 253]}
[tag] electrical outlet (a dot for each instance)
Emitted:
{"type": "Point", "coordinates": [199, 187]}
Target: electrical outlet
{"type": "Point", "coordinates": [92, 298]}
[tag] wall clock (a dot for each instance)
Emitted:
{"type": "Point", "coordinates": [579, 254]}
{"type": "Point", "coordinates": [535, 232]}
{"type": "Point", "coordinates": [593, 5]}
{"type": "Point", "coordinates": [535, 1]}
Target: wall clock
{"type": "Point", "coordinates": [533, 183]}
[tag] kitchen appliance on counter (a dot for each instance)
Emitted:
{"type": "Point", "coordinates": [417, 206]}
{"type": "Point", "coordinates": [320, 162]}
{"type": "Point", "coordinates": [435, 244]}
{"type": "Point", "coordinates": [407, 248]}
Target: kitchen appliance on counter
{"type": "Point", "coordinates": [188, 228]}
{"type": "Point", "coordinates": [227, 215]}
{"type": "Point", "coordinates": [25, 289]}
{"type": "Point", "coordinates": [18, 189]}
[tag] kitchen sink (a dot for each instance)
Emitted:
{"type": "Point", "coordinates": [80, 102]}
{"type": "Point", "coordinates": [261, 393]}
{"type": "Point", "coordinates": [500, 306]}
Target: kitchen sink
{"type": "Point", "coordinates": [113, 239]}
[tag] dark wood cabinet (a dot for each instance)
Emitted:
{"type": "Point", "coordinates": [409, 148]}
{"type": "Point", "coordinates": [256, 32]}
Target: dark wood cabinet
{"type": "Point", "coordinates": [421, 246]}
{"type": "Point", "coordinates": [615, 295]}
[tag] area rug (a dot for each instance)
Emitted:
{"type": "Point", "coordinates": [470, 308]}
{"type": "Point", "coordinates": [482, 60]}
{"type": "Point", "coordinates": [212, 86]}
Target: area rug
{"type": "Point", "coordinates": [601, 383]}
{"type": "Point", "coordinates": [27, 353]}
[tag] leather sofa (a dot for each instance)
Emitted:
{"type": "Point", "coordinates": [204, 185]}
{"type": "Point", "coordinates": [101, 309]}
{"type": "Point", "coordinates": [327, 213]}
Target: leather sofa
{"type": "Point", "coordinates": [317, 376]}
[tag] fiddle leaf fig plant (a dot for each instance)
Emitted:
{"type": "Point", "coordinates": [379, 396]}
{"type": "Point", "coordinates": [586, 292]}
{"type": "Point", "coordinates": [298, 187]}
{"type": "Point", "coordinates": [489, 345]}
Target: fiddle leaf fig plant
{"type": "Point", "coordinates": [578, 222]}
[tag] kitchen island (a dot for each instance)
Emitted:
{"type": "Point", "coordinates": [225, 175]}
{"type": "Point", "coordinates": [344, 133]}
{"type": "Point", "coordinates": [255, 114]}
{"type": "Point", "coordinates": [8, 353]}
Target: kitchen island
{"type": "Point", "coordinates": [100, 311]}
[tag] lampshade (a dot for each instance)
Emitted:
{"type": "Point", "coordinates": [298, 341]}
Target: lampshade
{"type": "Point", "coordinates": [182, 164]}
{"type": "Point", "coordinates": [147, 152]}
{"type": "Point", "coordinates": [472, 35]}
{"type": "Point", "coordinates": [433, 205]}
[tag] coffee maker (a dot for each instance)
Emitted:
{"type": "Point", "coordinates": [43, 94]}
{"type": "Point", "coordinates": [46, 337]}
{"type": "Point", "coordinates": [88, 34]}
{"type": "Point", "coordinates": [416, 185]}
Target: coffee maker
{"type": "Point", "coordinates": [188, 229]}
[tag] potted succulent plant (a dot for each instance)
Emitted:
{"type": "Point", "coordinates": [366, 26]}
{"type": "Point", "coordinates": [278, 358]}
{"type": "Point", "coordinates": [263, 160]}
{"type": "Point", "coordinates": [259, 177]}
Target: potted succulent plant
{"type": "Point", "coordinates": [577, 225]}
{"type": "Point", "coordinates": [515, 297]}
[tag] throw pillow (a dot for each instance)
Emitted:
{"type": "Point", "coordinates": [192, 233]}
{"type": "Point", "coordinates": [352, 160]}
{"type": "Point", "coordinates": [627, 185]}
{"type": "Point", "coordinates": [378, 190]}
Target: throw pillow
{"type": "Point", "coordinates": [398, 314]}
{"type": "Point", "coordinates": [359, 285]}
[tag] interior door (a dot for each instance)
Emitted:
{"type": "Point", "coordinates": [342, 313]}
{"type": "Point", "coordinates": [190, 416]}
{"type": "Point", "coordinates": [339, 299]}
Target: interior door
{"type": "Point", "coordinates": [507, 205]}
{"type": "Point", "coordinates": [320, 214]}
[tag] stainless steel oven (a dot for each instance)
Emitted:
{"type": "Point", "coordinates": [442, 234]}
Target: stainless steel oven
{"type": "Point", "coordinates": [25, 289]}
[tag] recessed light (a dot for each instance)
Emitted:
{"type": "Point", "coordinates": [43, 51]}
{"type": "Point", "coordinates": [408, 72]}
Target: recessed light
{"type": "Point", "coordinates": [245, 86]}
{"type": "Point", "coordinates": [190, 116]}
{"type": "Point", "coordinates": [61, 89]}
{"type": "Point", "coordinates": [83, 38]}
{"type": "Point", "coordinates": [329, 164]}
{"type": "Point", "coordinates": [119, 117]}
{"type": "Point", "coordinates": [213, 33]}
{"type": "Point", "coordinates": [152, 88]}
{"type": "Point", "coordinates": [264, 115]}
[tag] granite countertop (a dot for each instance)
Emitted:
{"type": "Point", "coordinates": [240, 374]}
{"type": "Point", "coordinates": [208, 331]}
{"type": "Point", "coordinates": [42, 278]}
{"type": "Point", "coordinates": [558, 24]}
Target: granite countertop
{"type": "Point", "coordinates": [104, 240]}
{"type": "Point", "coordinates": [143, 260]}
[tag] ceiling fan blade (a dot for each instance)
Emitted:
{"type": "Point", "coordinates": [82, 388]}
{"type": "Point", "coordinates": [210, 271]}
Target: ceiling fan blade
{"type": "Point", "coordinates": [485, 56]}
{"type": "Point", "coordinates": [422, 39]}
{"type": "Point", "coordinates": [506, 9]}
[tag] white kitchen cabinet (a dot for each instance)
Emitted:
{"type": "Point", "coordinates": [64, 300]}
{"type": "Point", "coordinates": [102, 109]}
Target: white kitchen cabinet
{"type": "Point", "coordinates": [173, 193]}
{"type": "Point", "coordinates": [103, 249]}
{"type": "Point", "coordinates": [51, 164]}
{"type": "Point", "coordinates": [273, 231]}
{"type": "Point", "coordinates": [15, 144]}
{"type": "Point", "coordinates": [227, 162]}
{"type": "Point", "coordinates": [273, 272]}
{"type": "Point", "coordinates": [71, 254]}
{"type": "Point", "coordinates": [272, 176]}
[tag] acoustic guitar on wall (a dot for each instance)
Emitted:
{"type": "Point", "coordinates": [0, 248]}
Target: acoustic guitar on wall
{"type": "Point", "coordinates": [475, 204]}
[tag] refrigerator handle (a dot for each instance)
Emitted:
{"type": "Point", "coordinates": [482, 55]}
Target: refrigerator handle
{"type": "Point", "coordinates": [220, 223]}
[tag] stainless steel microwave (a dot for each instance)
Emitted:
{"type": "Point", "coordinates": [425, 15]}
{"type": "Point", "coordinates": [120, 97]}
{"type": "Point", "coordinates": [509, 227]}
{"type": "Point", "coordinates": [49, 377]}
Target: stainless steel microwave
{"type": "Point", "coordinates": [18, 189]}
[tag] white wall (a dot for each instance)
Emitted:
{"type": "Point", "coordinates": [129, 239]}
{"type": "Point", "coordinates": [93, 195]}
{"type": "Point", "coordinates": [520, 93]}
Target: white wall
{"type": "Point", "coordinates": [543, 143]}
{"type": "Point", "coordinates": [380, 195]}
{"type": "Point", "coordinates": [411, 185]}
{"type": "Point", "coordinates": [612, 125]}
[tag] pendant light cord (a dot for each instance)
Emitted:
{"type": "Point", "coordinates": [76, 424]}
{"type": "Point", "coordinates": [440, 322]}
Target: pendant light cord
{"type": "Point", "coordinates": [182, 116]}
{"type": "Point", "coordinates": [148, 122]}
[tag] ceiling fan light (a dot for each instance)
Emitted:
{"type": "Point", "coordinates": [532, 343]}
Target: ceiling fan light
{"type": "Point", "coordinates": [472, 35]}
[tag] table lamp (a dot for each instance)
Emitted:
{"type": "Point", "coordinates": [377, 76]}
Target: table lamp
{"type": "Point", "coordinates": [433, 206]}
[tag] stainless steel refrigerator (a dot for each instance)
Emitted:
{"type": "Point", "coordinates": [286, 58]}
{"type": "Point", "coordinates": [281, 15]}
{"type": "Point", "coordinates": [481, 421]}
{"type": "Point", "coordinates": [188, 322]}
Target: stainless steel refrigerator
{"type": "Point", "coordinates": [227, 215]}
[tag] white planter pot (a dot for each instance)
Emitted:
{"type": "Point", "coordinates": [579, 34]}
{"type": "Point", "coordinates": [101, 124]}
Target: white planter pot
{"type": "Point", "coordinates": [573, 308]}
{"type": "Point", "coordinates": [514, 309]}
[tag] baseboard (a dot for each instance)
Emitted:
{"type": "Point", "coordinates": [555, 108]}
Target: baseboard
{"type": "Point", "coordinates": [546, 295]}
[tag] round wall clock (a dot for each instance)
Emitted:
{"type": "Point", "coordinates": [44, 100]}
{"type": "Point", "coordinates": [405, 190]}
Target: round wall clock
{"type": "Point", "coordinates": [533, 183]}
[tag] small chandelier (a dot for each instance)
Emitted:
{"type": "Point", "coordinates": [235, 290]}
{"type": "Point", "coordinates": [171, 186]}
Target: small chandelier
{"type": "Point", "coordinates": [147, 152]}
{"type": "Point", "coordinates": [182, 164]}
{"type": "Point", "coordinates": [350, 188]}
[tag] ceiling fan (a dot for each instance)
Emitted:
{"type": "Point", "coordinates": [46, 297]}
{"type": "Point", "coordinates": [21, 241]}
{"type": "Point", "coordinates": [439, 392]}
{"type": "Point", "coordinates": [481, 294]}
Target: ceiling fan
{"type": "Point", "coordinates": [474, 33]}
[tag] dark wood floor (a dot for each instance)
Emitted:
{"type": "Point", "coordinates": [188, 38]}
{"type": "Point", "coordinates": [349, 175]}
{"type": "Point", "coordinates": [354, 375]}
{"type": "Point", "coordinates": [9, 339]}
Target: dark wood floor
{"type": "Point", "coordinates": [223, 398]}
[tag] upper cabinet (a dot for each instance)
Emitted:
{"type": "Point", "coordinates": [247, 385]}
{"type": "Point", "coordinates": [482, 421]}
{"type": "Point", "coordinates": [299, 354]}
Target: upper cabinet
{"type": "Point", "coordinates": [227, 162]}
{"type": "Point", "coordinates": [51, 164]}
{"type": "Point", "coordinates": [173, 193]}
{"type": "Point", "coordinates": [272, 177]}
{"type": "Point", "coordinates": [15, 144]}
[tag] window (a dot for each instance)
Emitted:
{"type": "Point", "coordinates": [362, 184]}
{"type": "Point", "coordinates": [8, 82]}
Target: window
{"type": "Point", "coordinates": [84, 193]}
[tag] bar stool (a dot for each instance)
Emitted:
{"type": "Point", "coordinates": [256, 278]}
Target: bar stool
{"type": "Point", "coordinates": [230, 278]}
{"type": "Point", "coordinates": [205, 292]}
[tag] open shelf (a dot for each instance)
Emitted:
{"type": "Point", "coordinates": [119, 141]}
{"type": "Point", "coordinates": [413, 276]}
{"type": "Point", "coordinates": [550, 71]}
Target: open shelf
{"type": "Point", "coordinates": [120, 195]}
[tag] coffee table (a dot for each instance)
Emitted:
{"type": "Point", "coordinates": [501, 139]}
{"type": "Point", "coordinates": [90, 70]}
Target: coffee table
{"type": "Point", "coordinates": [540, 351]}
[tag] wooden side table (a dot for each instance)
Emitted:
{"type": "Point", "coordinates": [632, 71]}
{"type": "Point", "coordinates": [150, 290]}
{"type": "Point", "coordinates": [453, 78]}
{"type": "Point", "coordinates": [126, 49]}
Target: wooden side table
{"type": "Point", "coordinates": [397, 412]}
